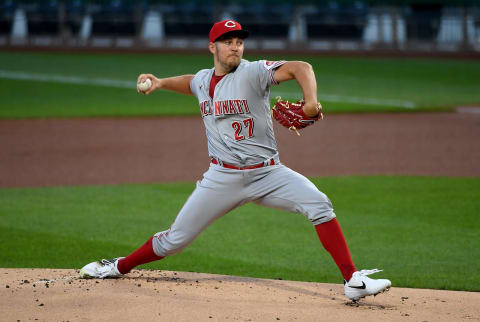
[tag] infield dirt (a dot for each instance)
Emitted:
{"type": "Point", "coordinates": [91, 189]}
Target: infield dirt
{"type": "Point", "coordinates": [48, 152]}
{"type": "Point", "coordinates": [112, 151]}
{"type": "Point", "coordinates": [58, 295]}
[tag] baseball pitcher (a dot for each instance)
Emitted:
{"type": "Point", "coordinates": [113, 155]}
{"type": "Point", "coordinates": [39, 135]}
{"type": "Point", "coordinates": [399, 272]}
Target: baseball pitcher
{"type": "Point", "coordinates": [234, 103]}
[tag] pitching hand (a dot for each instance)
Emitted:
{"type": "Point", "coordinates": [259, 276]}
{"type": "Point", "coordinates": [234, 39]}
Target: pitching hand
{"type": "Point", "coordinates": [155, 83]}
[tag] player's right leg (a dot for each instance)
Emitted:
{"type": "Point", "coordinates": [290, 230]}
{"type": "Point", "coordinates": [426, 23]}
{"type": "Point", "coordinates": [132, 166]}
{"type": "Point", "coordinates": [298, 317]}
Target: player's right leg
{"type": "Point", "coordinates": [216, 194]}
{"type": "Point", "coordinates": [212, 198]}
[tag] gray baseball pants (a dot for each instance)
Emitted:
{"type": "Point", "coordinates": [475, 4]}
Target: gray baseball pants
{"type": "Point", "coordinates": [222, 190]}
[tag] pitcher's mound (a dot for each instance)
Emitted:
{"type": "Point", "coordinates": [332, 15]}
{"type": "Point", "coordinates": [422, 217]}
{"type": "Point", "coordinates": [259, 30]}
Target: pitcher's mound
{"type": "Point", "coordinates": [58, 295]}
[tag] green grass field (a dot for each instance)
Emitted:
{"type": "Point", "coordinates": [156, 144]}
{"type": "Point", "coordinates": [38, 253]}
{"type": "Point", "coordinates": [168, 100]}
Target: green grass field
{"type": "Point", "coordinates": [344, 84]}
{"type": "Point", "coordinates": [422, 231]}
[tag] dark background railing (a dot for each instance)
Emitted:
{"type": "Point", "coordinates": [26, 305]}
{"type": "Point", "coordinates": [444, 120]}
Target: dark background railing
{"type": "Point", "coordinates": [365, 25]}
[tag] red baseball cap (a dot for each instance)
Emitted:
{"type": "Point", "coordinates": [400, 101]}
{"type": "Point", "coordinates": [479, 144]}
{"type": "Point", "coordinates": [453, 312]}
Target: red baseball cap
{"type": "Point", "coordinates": [227, 26]}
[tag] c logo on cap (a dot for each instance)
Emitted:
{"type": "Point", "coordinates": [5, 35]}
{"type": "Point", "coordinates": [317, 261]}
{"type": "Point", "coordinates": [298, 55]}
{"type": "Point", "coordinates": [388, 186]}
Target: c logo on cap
{"type": "Point", "coordinates": [230, 24]}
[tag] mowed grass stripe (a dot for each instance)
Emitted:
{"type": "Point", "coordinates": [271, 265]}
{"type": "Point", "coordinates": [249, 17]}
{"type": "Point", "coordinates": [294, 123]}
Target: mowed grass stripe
{"type": "Point", "coordinates": [344, 84]}
{"type": "Point", "coordinates": [106, 82]}
{"type": "Point", "coordinates": [422, 231]}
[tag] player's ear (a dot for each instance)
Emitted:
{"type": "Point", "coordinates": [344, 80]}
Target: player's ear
{"type": "Point", "coordinates": [211, 47]}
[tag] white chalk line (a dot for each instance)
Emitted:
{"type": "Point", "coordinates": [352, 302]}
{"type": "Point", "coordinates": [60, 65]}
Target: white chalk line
{"type": "Point", "coordinates": [350, 99]}
{"type": "Point", "coordinates": [17, 75]}
{"type": "Point", "coordinates": [20, 75]}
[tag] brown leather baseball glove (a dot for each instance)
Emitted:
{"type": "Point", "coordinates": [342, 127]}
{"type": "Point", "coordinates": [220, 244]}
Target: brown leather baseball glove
{"type": "Point", "coordinates": [291, 115]}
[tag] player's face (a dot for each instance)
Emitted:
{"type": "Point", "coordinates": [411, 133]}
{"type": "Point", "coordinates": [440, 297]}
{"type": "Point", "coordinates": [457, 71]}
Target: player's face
{"type": "Point", "coordinates": [228, 53]}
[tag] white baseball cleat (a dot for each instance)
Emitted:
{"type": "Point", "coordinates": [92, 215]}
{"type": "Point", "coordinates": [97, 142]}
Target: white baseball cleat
{"type": "Point", "coordinates": [360, 285]}
{"type": "Point", "coordinates": [105, 268]}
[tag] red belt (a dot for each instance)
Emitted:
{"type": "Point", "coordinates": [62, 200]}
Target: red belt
{"type": "Point", "coordinates": [248, 167]}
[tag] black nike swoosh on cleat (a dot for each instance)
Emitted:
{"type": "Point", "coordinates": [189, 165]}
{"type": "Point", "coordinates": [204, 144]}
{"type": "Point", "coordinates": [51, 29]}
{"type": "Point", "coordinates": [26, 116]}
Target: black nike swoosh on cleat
{"type": "Point", "coordinates": [359, 287]}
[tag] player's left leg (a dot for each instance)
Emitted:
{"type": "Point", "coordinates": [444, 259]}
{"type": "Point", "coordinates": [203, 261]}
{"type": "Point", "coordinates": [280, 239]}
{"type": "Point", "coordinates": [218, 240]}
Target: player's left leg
{"type": "Point", "coordinates": [288, 190]}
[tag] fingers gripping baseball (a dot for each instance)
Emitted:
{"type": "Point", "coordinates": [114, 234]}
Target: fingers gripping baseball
{"type": "Point", "coordinates": [147, 83]}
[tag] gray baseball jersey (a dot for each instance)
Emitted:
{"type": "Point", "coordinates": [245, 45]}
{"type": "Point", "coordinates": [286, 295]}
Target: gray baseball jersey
{"type": "Point", "coordinates": [237, 121]}
{"type": "Point", "coordinates": [239, 131]}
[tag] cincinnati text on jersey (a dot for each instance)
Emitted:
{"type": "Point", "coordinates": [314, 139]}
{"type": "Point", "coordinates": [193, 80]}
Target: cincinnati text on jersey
{"type": "Point", "coordinates": [226, 107]}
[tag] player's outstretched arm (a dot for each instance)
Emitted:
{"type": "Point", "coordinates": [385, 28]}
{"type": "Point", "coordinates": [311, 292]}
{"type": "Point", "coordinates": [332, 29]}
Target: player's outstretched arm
{"type": "Point", "coordinates": [303, 73]}
{"type": "Point", "coordinates": [179, 84]}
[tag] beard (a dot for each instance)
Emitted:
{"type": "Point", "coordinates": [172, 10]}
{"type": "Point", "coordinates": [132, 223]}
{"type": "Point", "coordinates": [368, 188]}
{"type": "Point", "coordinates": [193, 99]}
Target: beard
{"type": "Point", "coordinates": [231, 63]}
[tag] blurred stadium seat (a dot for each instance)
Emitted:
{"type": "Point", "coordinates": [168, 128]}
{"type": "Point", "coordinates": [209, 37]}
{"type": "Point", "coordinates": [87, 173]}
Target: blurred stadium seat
{"type": "Point", "coordinates": [333, 20]}
{"type": "Point", "coordinates": [423, 21]}
{"type": "Point", "coordinates": [265, 20]}
{"type": "Point", "coordinates": [42, 17]}
{"type": "Point", "coordinates": [75, 11]}
{"type": "Point", "coordinates": [115, 18]}
{"type": "Point", "coordinates": [7, 11]}
{"type": "Point", "coordinates": [188, 18]}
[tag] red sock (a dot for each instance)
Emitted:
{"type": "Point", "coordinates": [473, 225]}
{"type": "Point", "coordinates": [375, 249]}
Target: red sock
{"type": "Point", "coordinates": [332, 238]}
{"type": "Point", "coordinates": [141, 256]}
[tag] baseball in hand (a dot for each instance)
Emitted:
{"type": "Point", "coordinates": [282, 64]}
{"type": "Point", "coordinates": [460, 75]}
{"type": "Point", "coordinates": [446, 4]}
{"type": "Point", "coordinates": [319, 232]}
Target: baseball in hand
{"type": "Point", "coordinates": [145, 86]}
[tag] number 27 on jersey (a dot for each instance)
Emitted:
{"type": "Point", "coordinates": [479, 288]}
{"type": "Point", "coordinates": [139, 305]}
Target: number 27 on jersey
{"type": "Point", "coordinates": [243, 128]}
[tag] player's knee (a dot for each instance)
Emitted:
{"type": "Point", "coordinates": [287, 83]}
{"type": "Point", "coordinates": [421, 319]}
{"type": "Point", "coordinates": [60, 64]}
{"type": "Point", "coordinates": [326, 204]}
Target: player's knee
{"type": "Point", "coordinates": [320, 211]}
{"type": "Point", "coordinates": [166, 244]}
{"type": "Point", "coordinates": [321, 217]}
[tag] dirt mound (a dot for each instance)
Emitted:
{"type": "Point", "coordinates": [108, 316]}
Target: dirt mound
{"type": "Point", "coordinates": [58, 295]}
